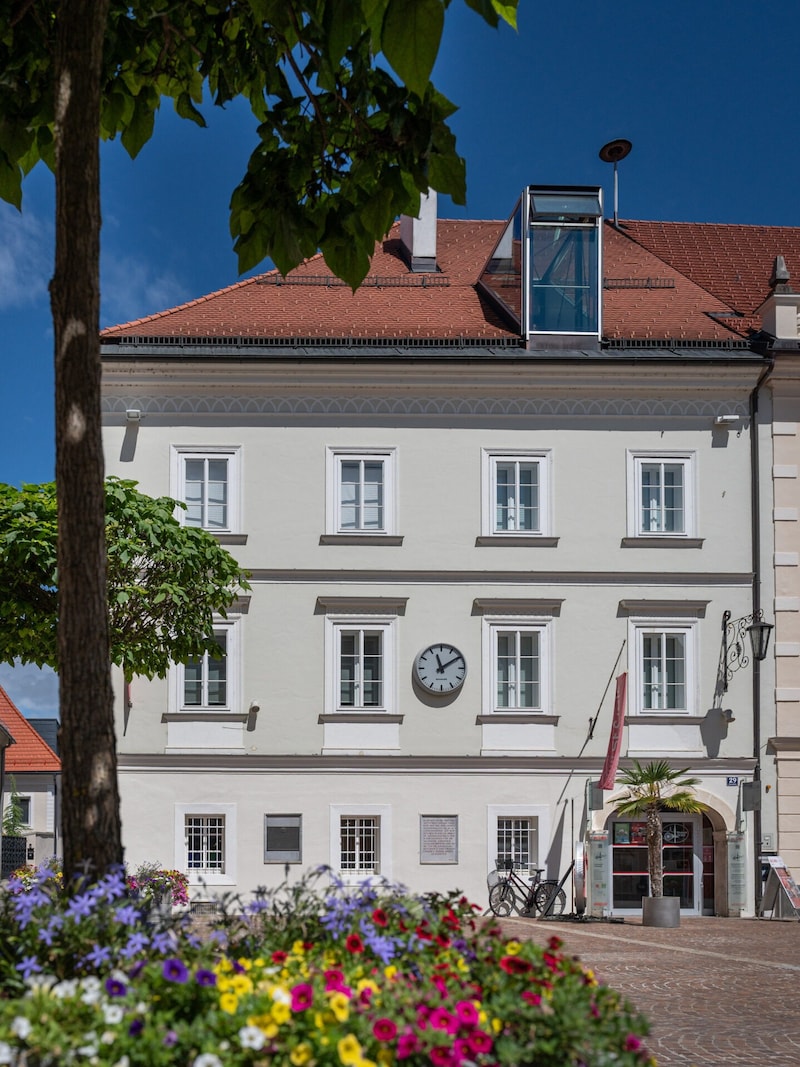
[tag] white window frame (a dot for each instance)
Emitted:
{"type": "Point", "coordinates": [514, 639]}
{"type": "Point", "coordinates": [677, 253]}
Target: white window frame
{"type": "Point", "coordinates": [490, 460]}
{"type": "Point", "coordinates": [230, 627]}
{"type": "Point", "coordinates": [283, 855]}
{"type": "Point", "coordinates": [493, 627]}
{"type": "Point", "coordinates": [334, 459]}
{"type": "Point", "coordinates": [381, 812]}
{"type": "Point", "coordinates": [196, 876]}
{"type": "Point", "coordinates": [636, 460]}
{"type": "Point", "coordinates": [639, 629]}
{"type": "Point", "coordinates": [180, 455]}
{"type": "Point", "coordinates": [335, 626]}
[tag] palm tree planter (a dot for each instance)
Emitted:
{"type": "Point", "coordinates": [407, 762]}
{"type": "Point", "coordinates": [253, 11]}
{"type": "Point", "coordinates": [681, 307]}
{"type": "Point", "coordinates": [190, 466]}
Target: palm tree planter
{"type": "Point", "coordinates": [651, 789]}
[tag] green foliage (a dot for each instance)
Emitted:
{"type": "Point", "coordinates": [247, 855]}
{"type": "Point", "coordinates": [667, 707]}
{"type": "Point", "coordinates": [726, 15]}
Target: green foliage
{"type": "Point", "coordinates": [13, 826]}
{"type": "Point", "coordinates": [314, 975]}
{"type": "Point", "coordinates": [343, 146]}
{"type": "Point", "coordinates": [165, 581]}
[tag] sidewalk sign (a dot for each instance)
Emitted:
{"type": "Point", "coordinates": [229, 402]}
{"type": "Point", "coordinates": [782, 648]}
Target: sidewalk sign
{"type": "Point", "coordinates": [781, 893]}
{"type": "Point", "coordinates": [597, 882]}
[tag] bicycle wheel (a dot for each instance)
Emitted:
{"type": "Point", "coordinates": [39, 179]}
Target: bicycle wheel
{"type": "Point", "coordinates": [502, 899]}
{"type": "Point", "coordinates": [547, 892]}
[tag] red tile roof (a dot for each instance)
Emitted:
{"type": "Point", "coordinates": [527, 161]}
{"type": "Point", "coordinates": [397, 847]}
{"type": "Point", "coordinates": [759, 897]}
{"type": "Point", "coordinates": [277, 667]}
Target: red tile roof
{"type": "Point", "coordinates": [29, 752]}
{"type": "Point", "coordinates": [664, 281]}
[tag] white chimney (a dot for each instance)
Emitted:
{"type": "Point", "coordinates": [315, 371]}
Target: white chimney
{"type": "Point", "coordinates": [418, 236]}
{"type": "Point", "coordinates": [780, 311]}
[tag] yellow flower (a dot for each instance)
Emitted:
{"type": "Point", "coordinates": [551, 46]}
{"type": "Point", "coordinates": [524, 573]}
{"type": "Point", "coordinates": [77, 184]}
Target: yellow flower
{"type": "Point", "coordinates": [265, 1024]}
{"type": "Point", "coordinates": [247, 964]}
{"type": "Point", "coordinates": [497, 1025]}
{"type": "Point", "coordinates": [281, 1012]}
{"type": "Point", "coordinates": [339, 1005]}
{"type": "Point", "coordinates": [229, 1002]}
{"type": "Point", "coordinates": [224, 985]}
{"type": "Point", "coordinates": [298, 949]}
{"type": "Point", "coordinates": [223, 967]}
{"type": "Point", "coordinates": [390, 971]}
{"type": "Point", "coordinates": [241, 984]}
{"type": "Point", "coordinates": [367, 983]}
{"type": "Point", "coordinates": [300, 1054]}
{"type": "Point", "coordinates": [513, 948]}
{"type": "Point", "coordinates": [349, 1050]}
{"type": "Point", "coordinates": [385, 1057]}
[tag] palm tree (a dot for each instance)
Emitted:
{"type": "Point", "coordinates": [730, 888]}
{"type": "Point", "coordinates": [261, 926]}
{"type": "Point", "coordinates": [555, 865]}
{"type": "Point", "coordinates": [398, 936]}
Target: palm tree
{"type": "Point", "coordinates": [651, 789]}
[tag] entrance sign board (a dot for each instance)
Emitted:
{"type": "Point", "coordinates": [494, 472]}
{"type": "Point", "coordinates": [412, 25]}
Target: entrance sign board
{"type": "Point", "coordinates": [737, 874]}
{"type": "Point", "coordinates": [781, 894]}
{"type": "Point", "coordinates": [597, 882]}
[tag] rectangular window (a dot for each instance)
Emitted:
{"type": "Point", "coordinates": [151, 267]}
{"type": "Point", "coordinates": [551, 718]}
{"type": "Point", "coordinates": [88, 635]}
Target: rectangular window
{"type": "Point", "coordinates": [663, 671]}
{"type": "Point", "coordinates": [360, 492]}
{"type": "Point", "coordinates": [661, 495]}
{"type": "Point", "coordinates": [515, 843]}
{"type": "Point", "coordinates": [205, 681]}
{"type": "Point", "coordinates": [283, 838]}
{"type": "Point", "coordinates": [517, 667]}
{"type": "Point", "coordinates": [516, 494]}
{"type": "Point", "coordinates": [207, 483]}
{"type": "Point", "coordinates": [205, 843]}
{"type": "Point", "coordinates": [359, 844]}
{"type": "Point", "coordinates": [360, 668]}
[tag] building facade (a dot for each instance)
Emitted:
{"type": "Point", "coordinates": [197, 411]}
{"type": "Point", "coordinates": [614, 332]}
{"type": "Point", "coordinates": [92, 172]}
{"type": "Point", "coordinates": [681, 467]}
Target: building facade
{"type": "Point", "coordinates": [518, 462]}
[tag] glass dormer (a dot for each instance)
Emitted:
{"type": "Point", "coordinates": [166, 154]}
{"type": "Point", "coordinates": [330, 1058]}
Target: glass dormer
{"type": "Point", "coordinates": [545, 269]}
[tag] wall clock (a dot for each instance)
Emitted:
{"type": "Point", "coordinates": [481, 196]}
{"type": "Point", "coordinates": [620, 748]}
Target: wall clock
{"type": "Point", "coordinates": [440, 668]}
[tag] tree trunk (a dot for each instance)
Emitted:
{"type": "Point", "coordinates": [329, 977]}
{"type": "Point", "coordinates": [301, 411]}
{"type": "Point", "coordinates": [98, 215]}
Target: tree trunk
{"type": "Point", "coordinates": [90, 799]}
{"type": "Point", "coordinates": [655, 854]}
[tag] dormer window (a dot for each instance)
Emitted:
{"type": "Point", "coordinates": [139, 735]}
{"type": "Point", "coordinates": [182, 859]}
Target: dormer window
{"type": "Point", "coordinates": [545, 270]}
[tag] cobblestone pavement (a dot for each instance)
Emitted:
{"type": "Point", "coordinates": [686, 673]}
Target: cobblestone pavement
{"type": "Point", "coordinates": [717, 992]}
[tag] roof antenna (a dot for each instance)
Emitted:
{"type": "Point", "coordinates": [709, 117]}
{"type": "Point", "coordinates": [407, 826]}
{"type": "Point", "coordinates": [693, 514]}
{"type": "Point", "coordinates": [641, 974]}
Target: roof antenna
{"type": "Point", "coordinates": [613, 152]}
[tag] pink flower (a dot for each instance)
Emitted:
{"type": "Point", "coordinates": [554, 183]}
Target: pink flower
{"type": "Point", "coordinates": [302, 996]}
{"type": "Point", "coordinates": [443, 1020]}
{"type": "Point", "coordinates": [441, 1056]}
{"type": "Point", "coordinates": [515, 965]}
{"type": "Point", "coordinates": [479, 1041]}
{"type": "Point", "coordinates": [334, 983]}
{"type": "Point", "coordinates": [532, 998]}
{"type": "Point", "coordinates": [407, 1045]}
{"type": "Point", "coordinates": [632, 1043]}
{"type": "Point", "coordinates": [384, 1029]}
{"type": "Point", "coordinates": [466, 1013]}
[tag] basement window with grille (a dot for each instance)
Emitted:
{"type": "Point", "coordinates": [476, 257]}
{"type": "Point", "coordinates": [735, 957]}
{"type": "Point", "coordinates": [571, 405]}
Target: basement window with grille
{"type": "Point", "coordinates": [544, 272]}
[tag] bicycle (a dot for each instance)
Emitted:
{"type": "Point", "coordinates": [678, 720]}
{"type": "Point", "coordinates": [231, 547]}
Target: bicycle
{"type": "Point", "coordinates": [509, 892]}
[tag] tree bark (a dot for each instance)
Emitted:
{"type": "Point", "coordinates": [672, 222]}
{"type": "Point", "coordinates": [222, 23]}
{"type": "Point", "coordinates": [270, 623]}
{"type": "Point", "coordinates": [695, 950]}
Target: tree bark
{"type": "Point", "coordinates": [90, 799]}
{"type": "Point", "coordinates": [655, 852]}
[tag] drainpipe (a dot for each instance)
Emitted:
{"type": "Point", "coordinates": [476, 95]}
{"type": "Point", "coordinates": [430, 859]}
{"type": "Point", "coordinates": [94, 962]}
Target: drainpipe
{"type": "Point", "coordinates": [755, 539]}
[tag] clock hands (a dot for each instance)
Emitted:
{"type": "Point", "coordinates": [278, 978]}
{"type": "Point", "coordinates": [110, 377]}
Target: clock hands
{"type": "Point", "coordinates": [444, 666]}
{"type": "Point", "coordinates": [440, 668]}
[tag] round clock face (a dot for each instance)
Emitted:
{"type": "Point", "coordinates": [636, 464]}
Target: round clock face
{"type": "Point", "coordinates": [440, 668]}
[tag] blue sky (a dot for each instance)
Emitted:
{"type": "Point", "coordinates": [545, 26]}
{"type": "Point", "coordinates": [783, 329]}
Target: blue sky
{"type": "Point", "coordinates": [699, 86]}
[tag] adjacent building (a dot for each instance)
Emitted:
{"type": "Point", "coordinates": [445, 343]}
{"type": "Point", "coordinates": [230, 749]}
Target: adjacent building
{"type": "Point", "coordinates": [525, 457]}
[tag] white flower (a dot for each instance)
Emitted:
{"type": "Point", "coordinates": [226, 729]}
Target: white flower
{"type": "Point", "coordinates": [281, 995]}
{"type": "Point", "coordinates": [113, 1013]}
{"type": "Point", "coordinates": [207, 1059]}
{"type": "Point", "coordinates": [123, 1061]}
{"type": "Point", "coordinates": [67, 988]}
{"type": "Point", "coordinates": [108, 1037]}
{"type": "Point", "coordinates": [91, 989]}
{"type": "Point", "coordinates": [21, 1026]}
{"type": "Point", "coordinates": [6, 1052]}
{"type": "Point", "coordinates": [251, 1037]}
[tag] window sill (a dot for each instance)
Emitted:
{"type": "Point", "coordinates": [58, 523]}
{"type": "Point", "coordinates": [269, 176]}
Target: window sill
{"type": "Point", "coordinates": [360, 716]}
{"type": "Point", "coordinates": [517, 717]}
{"type": "Point", "coordinates": [361, 539]}
{"type": "Point", "coordinates": [517, 540]}
{"type": "Point", "coordinates": [669, 718]}
{"type": "Point", "coordinates": [678, 541]}
{"type": "Point", "coordinates": [229, 538]}
{"type": "Point", "coordinates": [201, 715]}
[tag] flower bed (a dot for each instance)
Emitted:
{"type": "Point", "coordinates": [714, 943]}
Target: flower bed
{"type": "Point", "coordinates": [315, 974]}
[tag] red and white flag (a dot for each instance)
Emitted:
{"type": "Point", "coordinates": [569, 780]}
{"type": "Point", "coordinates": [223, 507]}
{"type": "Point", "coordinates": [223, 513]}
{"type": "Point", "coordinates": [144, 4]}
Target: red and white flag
{"type": "Point", "coordinates": [615, 740]}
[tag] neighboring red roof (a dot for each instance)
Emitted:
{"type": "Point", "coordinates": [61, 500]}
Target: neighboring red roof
{"type": "Point", "coordinates": [29, 752]}
{"type": "Point", "coordinates": [663, 281]}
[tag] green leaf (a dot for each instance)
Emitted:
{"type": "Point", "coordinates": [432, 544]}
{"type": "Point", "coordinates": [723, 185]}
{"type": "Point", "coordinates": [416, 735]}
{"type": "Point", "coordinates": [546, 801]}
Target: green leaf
{"type": "Point", "coordinates": [10, 183]}
{"type": "Point", "coordinates": [140, 128]}
{"type": "Point", "coordinates": [412, 33]}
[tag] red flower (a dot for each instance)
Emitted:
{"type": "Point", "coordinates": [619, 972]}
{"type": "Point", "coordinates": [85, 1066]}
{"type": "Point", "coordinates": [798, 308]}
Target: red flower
{"type": "Point", "coordinates": [380, 918]}
{"type": "Point", "coordinates": [532, 998]}
{"type": "Point", "coordinates": [551, 961]}
{"type": "Point", "coordinates": [279, 956]}
{"type": "Point", "coordinates": [353, 943]}
{"type": "Point", "coordinates": [422, 933]}
{"type": "Point", "coordinates": [334, 982]}
{"type": "Point", "coordinates": [384, 1029]}
{"type": "Point", "coordinates": [514, 965]}
{"type": "Point", "coordinates": [555, 944]}
{"type": "Point", "coordinates": [632, 1043]}
{"type": "Point", "coordinates": [442, 941]}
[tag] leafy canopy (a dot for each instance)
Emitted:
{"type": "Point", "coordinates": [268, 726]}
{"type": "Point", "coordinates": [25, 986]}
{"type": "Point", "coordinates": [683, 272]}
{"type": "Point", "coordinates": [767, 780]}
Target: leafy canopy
{"type": "Point", "coordinates": [343, 146]}
{"type": "Point", "coordinates": [655, 786]}
{"type": "Point", "coordinates": [165, 581]}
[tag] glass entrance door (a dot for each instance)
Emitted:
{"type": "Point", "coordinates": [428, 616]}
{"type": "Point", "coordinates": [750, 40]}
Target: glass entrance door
{"type": "Point", "coordinates": [682, 857]}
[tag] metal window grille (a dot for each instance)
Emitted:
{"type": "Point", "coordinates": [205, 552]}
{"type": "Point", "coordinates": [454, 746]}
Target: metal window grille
{"type": "Point", "coordinates": [359, 842]}
{"type": "Point", "coordinates": [205, 843]}
{"type": "Point", "coordinates": [514, 839]}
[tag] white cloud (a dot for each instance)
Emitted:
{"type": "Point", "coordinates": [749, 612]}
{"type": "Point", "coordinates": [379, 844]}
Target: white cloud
{"type": "Point", "coordinates": [33, 689]}
{"type": "Point", "coordinates": [26, 257]}
{"type": "Point", "coordinates": [132, 288]}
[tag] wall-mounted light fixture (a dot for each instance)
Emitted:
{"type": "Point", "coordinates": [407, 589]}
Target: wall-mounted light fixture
{"type": "Point", "coordinates": [133, 415]}
{"type": "Point", "coordinates": [727, 420]}
{"type": "Point", "coordinates": [727, 715]}
{"type": "Point", "coordinates": [734, 645]}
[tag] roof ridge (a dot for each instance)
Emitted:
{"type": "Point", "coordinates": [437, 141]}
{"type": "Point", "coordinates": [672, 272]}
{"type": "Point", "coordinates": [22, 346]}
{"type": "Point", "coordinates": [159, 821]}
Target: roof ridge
{"type": "Point", "coordinates": [30, 752]}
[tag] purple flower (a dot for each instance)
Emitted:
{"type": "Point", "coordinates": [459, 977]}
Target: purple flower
{"type": "Point", "coordinates": [206, 978]}
{"type": "Point", "coordinates": [170, 1039]}
{"type": "Point", "coordinates": [98, 956]}
{"type": "Point", "coordinates": [29, 965]}
{"type": "Point", "coordinates": [128, 915]}
{"type": "Point", "coordinates": [115, 988]}
{"type": "Point", "coordinates": [81, 906]}
{"type": "Point", "coordinates": [163, 941]}
{"type": "Point", "coordinates": [136, 1027]}
{"type": "Point", "coordinates": [174, 970]}
{"type": "Point", "coordinates": [136, 943]}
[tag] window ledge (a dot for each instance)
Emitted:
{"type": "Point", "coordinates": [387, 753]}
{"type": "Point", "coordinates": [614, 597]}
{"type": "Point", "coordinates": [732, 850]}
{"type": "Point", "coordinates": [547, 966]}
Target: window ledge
{"type": "Point", "coordinates": [517, 717]}
{"type": "Point", "coordinates": [662, 542]}
{"type": "Point", "coordinates": [517, 540]}
{"type": "Point", "coordinates": [360, 716]}
{"type": "Point", "coordinates": [229, 538]}
{"type": "Point", "coordinates": [361, 539]}
{"type": "Point", "coordinates": [667, 718]}
{"type": "Point", "coordinates": [204, 716]}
